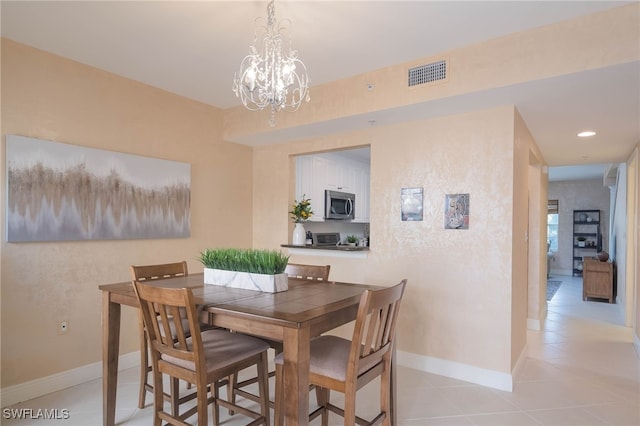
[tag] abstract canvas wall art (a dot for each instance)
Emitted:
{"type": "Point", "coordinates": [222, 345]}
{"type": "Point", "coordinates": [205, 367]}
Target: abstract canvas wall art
{"type": "Point", "coordinates": [58, 191]}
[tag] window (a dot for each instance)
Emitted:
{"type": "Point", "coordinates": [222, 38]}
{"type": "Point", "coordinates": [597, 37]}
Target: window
{"type": "Point", "coordinates": [552, 225]}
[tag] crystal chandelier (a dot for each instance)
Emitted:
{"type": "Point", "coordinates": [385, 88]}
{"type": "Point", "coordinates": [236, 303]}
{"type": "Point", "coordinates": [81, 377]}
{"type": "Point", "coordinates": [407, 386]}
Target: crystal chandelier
{"type": "Point", "coordinates": [272, 75]}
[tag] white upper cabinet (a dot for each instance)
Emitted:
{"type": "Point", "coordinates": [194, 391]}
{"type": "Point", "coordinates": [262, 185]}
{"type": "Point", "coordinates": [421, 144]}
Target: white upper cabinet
{"type": "Point", "coordinates": [307, 187]}
{"type": "Point", "coordinates": [336, 172]}
{"type": "Point", "coordinates": [304, 182]}
{"type": "Point", "coordinates": [362, 186]}
{"type": "Point", "coordinates": [339, 174]}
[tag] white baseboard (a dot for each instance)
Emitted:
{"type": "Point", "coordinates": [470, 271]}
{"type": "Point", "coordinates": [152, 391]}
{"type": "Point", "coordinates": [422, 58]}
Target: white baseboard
{"type": "Point", "coordinates": [636, 344]}
{"type": "Point", "coordinates": [536, 324]}
{"type": "Point", "coordinates": [533, 324]}
{"type": "Point", "coordinates": [519, 365]}
{"type": "Point", "coordinates": [563, 272]}
{"type": "Point", "coordinates": [456, 370]}
{"type": "Point", "coordinates": [39, 387]}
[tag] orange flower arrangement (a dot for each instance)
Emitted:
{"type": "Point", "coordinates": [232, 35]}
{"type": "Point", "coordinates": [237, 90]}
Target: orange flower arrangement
{"type": "Point", "coordinates": [301, 210]}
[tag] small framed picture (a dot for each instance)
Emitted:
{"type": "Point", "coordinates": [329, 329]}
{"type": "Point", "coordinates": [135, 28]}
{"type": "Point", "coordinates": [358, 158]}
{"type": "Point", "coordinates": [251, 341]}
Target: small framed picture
{"type": "Point", "coordinates": [411, 207]}
{"type": "Point", "coordinates": [456, 211]}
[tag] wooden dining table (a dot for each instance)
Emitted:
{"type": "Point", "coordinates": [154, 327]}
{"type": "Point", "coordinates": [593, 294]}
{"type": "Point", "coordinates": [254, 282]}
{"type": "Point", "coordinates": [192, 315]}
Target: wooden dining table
{"type": "Point", "coordinates": [305, 310]}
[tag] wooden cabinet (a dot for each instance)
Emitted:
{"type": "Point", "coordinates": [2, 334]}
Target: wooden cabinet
{"type": "Point", "coordinates": [586, 237]}
{"type": "Point", "coordinates": [597, 279]}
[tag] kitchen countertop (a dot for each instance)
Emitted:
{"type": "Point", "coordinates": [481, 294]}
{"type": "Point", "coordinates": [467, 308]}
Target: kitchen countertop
{"type": "Point", "coordinates": [334, 248]}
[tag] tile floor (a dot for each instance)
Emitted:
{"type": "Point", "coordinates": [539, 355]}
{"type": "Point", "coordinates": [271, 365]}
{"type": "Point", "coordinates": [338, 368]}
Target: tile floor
{"type": "Point", "coordinates": [581, 370]}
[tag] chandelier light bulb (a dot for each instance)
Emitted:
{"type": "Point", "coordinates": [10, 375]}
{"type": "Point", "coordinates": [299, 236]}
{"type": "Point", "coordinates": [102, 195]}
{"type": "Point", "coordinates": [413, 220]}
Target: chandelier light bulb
{"type": "Point", "coordinates": [250, 79]}
{"type": "Point", "coordinates": [286, 70]}
{"type": "Point", "coordinates": [272, 75]}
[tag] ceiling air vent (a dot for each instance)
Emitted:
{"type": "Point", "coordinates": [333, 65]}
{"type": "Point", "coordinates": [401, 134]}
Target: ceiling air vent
{"type": "Point", "coordinates": [428, 73]}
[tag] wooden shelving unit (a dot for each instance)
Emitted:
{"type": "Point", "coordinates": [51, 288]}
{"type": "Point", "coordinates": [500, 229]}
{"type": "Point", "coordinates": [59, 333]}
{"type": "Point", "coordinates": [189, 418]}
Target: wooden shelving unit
{"type": "Point", "coordinates": [586, 238]}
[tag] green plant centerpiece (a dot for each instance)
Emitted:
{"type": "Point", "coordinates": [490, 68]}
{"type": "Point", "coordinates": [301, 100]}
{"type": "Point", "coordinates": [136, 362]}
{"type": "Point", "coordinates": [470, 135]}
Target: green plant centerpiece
{"type": "Point", "coordinates": [250, 269]}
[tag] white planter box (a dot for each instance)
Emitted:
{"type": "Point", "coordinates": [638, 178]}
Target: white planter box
{"type": "Point", "coordinates": [246, 280]}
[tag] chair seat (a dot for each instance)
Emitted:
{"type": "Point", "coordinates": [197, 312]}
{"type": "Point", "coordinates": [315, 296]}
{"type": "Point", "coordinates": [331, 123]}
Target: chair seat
{"type": "Point", "coordinates": [329, 357]}
{"type": "Point", "coordinates": [222, 349]}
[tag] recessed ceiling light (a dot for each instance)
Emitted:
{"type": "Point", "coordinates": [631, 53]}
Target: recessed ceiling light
{"type": "Point", "coordinates": [586, 134]}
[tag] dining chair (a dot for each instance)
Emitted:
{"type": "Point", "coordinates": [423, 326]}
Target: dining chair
{"type": "Point", "coordinates": [315, 273]}
{"type": "Point", "coordinates": [202, 358]}
{"type": "Point", "coordinates": [146, 273]}
{"type": "Point", "coordinates": [347, 365]}
{"type": "Point", "coordinates": [312, 273]}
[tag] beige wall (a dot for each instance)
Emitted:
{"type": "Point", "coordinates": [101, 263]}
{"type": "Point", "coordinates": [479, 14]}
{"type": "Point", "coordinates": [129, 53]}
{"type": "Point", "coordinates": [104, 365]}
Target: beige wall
{"type": "Point", "coordinates": [528, 275]}
{"type": "Point", "coordinates": [47, 97]}
{"type": "Point", "coordinates": [458, 304]}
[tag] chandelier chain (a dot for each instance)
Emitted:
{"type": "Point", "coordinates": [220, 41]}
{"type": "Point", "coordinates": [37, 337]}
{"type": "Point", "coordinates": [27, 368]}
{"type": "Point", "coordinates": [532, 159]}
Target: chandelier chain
{"type": "Point", "coordinates": [271, 12]}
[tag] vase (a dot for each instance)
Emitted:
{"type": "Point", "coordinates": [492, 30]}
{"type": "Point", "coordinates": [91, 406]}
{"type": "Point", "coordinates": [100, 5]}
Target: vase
{"type": "Point", "coordinates": [299, 235]}
{"type": "Point", "coordinates": [246, 280]}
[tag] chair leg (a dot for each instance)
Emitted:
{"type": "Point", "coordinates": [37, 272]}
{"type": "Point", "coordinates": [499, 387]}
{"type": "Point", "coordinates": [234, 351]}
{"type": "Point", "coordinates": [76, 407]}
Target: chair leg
{"type": "Point", "coordinates": [278, 415]}
{"type": "Point", "coordinates": [174, 395]}
{"type": "Point", "coordinates": [263, 386]}
{"type": "Point", "coordinates": [232, 384]}
{"type": "Point", "coordinates": [158, 398]}
{"type": "Point", "coordinates": [144, 362]}
{"type": "Point", "coordinates": [322, 395]}
{"type": "Point", "coordinates": [350, 407]}
{"type": "Point", "coordinates": [215, 410]}
{"type": "Point", "coordinates": [385, 394]}
{"type": "Point", "coordinates": [203, 402]}
{"type": "Point", "coordinates": [319, 397]}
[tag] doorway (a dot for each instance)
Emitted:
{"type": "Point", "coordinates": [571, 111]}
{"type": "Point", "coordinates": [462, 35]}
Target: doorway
{"type": "Point", "coordinates": [588, 188]}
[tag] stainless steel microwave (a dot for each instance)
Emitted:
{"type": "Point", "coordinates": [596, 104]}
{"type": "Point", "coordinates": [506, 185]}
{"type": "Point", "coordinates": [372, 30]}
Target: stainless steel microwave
{"type": "Point", "coordinates": [339, 205]}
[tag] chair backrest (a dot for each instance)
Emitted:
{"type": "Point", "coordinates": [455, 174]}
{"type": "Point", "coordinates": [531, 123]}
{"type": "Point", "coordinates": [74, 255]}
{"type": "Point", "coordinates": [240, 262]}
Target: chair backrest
{"type": "Point", "coordinates": [158, 272]}
{"type": "Point", "coordinates": [167, 337]}
{"type": "Point", "coordinates": [308, 272]}
{"type": "Point", "coordinates": [374, 329]}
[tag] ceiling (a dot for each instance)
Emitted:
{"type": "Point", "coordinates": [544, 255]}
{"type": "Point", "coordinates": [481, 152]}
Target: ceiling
{"type": "Point", "coordinates": [193, 48]}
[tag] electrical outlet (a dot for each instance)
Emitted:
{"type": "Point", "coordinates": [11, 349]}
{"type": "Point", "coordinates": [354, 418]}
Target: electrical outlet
{"type": "Point", "coordinates": [63, 327]}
